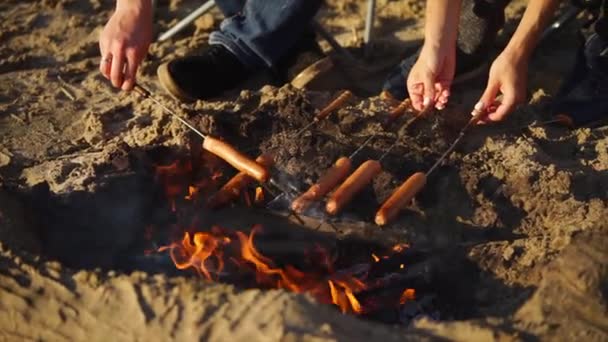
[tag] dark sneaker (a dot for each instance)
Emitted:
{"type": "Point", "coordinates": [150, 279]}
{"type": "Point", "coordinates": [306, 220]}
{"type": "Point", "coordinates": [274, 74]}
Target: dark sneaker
{"type": "Point", "coordinates": [217, 70]}
{"type": "Point", "coordinates": [305, 52]}
{"type": "Point", "coordinates": [201, 77]}
{"type": "Point", "coordinates": [584, 95]}
{"type": "Point", "coordinates": [479, 24]}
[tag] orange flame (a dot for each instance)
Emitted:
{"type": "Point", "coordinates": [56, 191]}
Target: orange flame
{"type": "Point", "coordinates": [204, 251]}
{"type": "Point", "coordinates": [343, 297]}
{"type": "Point", "coordinates": [400, 247]}
{"type": "Point", "coordinates": [197, 252]}
{"type": "Point", "coordinates": [192, 191]}
{"type": "Point", "coordinates": [375, 257]}
{"type": "Point", "coordinates": [407, 295]}
{"type": "Point", "coordinates": [259, 195]}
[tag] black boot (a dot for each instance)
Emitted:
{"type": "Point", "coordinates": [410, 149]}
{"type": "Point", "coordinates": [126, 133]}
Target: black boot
{"type": "Point", "coordinates": [217, 70]}
{"type": "Point", "coordinates": [201, 77]}
{"type": "Point", "coordinates": [304, 53]}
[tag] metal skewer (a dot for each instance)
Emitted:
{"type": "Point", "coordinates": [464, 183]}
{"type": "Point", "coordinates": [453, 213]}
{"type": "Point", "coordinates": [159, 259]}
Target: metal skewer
{"type": "Point", "coordinates": [405, 127]}
{"type": "Point", "coordinates": [148, 95]}
{"type": "Point", "coordinates": [463, 131]}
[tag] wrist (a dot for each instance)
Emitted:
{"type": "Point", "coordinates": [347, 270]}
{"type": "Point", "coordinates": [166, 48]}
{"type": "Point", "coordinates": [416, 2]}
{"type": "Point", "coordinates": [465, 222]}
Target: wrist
{"type": "Point", "coordinates": [436, 48]}
{"type": "Point", "coordinates": [519, 54]}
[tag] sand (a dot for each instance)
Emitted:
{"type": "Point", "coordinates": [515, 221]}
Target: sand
{"type": "Point", "coordinates": [514, 224]}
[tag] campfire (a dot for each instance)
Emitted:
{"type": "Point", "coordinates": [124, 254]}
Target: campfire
{"type": "Point", "coordinates": [364, 284]}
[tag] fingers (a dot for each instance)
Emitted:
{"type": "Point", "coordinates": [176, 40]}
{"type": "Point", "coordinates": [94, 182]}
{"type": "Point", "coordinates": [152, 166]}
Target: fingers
{"type": "Point", "coordinates": [130, 70]}
{"type": "Point", "coordinates": [106, 58]}
{"type": "Point", "coordinates": [422, 91]}
{"type": "Point", "coordinates": [442, 91]}
{"type": "Point", "coordinates": [119, 67]}
{"type": "Point", "coordinates": [487, 98]}
{"type": "Point", "coordinates": [416, 92]}
{"type": "Point", "coordinates": [118, 63]}
{"type": "Point", "coordinates": [496, 110]}
{"type": "Point", "coordinates": [105, 65]}
{"type": "Point", "coordinates": [506, 106]}
{"type": "Point", "coordinates": [429, 91]}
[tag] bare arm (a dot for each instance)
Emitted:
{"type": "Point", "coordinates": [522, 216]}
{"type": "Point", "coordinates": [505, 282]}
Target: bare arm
{"type": "Point", "coordinates": [124, 41]}
{"type": "Point", "coordinates": [429, 81]}
{"type": "Point", "coordinates": [535, 20]}
{"type": "Point", "coordinates": [509, 72]}
{"type": "Point", "coordinates": [441, 23]}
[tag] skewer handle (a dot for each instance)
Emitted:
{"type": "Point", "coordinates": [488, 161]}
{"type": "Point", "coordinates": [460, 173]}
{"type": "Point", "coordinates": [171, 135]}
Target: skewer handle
{"type": "Point", "coordinates": [333, 105]}
{"type": "Point", "coordinates": [141, 91]}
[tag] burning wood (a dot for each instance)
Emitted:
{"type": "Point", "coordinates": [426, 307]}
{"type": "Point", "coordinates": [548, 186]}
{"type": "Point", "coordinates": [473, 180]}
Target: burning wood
{"type": "Point", "coordinates": [208, 253]}
{"type": "Point", "coordinates": [259, 195]}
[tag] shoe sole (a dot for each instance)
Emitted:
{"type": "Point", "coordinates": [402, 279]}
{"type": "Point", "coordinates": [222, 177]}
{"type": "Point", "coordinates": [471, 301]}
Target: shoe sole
{"type": "Point", "coordinates": [170, 86]}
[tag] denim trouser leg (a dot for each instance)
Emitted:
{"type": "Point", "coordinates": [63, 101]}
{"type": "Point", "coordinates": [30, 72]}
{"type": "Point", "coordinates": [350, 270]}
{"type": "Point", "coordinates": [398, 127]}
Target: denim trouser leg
{"type": "Point", "coordinates": [263, 30]}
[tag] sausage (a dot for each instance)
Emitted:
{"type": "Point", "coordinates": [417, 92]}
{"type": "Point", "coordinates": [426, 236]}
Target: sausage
{"type": "Point", "coordinates": [301, 203]}
{"type": "Point", "coordinates": [400, 198]}
{"type": "Point", "coordinates": [333, 105]}
{"type": "Point", "coordinates": [326, 183]}
{"type": "Point", "coordinates": [362, 176]}
{"type": "Point", "coordinates": [231, 190]}
{"type": "Point", "coordinates": [236, 159]}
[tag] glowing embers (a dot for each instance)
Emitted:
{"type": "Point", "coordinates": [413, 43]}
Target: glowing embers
{"type": "Point", "coordinates": [223, 253]}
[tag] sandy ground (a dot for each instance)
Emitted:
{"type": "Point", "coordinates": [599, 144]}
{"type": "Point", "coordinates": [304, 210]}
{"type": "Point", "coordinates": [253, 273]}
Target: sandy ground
{"type": "Point", "coordinates": [516, 220]}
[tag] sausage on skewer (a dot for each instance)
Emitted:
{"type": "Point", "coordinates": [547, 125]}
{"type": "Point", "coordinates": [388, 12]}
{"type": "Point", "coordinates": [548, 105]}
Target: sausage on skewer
{"type": "Point", "coordinates": [400, 198]}
{"type": "Point", "coordinates": [352, 185]}
{"type": "Point", "coordinates": [213, 145]}
{"type": "Point", "coordinates": [406, 192]}
{"type": "Point", "coordinates": [236, 159]}
{"type": "Point", "coordinates": [231, 190]}
{"type": "Point", "coordinates": [327, 183]}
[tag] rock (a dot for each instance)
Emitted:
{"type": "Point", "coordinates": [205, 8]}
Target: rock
{"type": "Point", "coordinates": [508, 253]}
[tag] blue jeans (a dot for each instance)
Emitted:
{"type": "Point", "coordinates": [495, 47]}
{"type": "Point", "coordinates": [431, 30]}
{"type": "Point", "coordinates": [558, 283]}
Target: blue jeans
{"type": "Point", "coordinates": [260, 32]}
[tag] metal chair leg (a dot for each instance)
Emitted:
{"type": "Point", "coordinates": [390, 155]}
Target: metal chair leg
{"type": "Point", "coordinates": [187, 21]}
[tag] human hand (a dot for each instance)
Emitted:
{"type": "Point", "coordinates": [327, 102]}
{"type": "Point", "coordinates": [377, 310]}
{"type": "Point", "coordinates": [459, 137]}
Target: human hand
{"type": "Point", "coordinates": [430, 79]}
{"type": "Point", "coordinates": [124, 42]}
{"type": "Point", "coordinates": [508, 77]}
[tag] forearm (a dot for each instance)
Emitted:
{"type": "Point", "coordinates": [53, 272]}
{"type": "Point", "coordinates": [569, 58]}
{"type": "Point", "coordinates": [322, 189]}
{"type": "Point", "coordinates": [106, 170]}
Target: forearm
{"type": "Point", "coordinates": [441, 23]}
{"type": "Point", "coordinates": [535, 20]}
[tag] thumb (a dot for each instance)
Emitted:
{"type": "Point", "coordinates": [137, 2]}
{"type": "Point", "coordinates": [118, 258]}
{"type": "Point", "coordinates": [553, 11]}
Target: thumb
{"type": "Point", "coordinates": [488, 97]}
